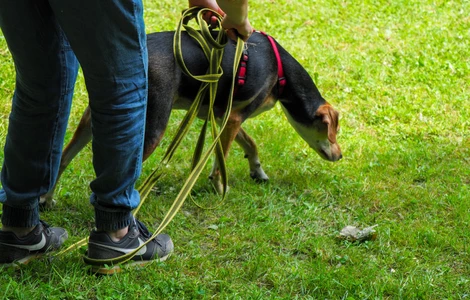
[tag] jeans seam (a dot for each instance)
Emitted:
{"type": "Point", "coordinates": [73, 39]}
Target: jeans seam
{"type": "Point", "coordinates": [142, 46]}
{"type": "Point", "coordinates": [63, 89]}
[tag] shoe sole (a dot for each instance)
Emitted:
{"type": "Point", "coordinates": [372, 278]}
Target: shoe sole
{"type": "Point", "coordinates": [25, 260]}
{"type": "Point", "coordinates": [104, 270]}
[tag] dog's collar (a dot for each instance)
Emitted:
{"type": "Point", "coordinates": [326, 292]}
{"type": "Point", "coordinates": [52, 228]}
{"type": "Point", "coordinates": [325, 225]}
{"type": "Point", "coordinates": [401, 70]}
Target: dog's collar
{"type": "Point", "coordinates": [241, 74]}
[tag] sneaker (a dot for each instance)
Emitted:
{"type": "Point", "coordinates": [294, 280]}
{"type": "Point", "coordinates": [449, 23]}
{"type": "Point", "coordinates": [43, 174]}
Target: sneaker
{"type": "Point", "coordinates": [21, 250]}
{"type": "Point", "coordinates": [101, 246]}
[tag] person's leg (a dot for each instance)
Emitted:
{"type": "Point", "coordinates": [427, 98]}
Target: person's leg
{"type": "Point", "coordinates": [109, 40]}
{"type": "Point", "coordinates": [46, 70]}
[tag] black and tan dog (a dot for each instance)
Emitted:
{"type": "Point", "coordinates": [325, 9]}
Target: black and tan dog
{"type": "Point", "coordinates": [311, 116]}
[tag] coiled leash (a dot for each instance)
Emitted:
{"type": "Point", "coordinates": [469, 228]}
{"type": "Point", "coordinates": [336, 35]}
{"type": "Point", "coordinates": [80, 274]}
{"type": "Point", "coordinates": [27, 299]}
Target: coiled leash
{"type": "Point", "coordinates": [213, 50]}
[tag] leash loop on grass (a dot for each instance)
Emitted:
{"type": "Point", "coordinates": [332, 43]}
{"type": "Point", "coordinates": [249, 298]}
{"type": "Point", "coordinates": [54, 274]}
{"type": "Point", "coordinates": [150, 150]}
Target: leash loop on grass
{"type": "Point", "coordinates": [213, 50]}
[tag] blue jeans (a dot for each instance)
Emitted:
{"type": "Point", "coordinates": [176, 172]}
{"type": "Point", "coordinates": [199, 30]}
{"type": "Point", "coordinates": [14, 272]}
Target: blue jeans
{"type": "Point", "coordinates": [48, 39]}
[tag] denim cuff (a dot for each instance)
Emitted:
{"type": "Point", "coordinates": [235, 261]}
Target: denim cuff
{"type": "Point", "coordinates": [107, 220]}
{"type": "Point", "coordinates": [20, 217]}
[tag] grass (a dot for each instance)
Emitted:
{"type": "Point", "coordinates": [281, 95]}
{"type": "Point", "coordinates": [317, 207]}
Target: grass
{"type": "Point", "coordinates": [399, 74]}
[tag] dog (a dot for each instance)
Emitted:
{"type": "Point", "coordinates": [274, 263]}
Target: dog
{"type": "Point", "coordinates": [314, 119]}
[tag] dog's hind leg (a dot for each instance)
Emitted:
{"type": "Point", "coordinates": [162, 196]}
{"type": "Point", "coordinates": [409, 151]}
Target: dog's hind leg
{"type": "Point", "coordinates": [226, 138]}
{"type": "Point", "coordinates": [251, 153]}
{"type": "Point", "coordinates": [80, 139]}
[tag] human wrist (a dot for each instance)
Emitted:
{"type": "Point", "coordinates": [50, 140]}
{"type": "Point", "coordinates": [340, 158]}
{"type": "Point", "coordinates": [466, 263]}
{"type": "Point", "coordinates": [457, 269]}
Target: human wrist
{"type": "Point", "coordinates": [236, 10]}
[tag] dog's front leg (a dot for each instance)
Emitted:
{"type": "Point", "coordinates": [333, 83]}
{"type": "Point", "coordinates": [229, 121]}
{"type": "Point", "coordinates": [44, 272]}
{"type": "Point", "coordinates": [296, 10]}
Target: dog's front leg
{"type": "Point", "coordinates": [80, 139]}
{"type": "Point", "coordinates": [226, 138]}
{"type": "Point", "coordinates": [251, 153]}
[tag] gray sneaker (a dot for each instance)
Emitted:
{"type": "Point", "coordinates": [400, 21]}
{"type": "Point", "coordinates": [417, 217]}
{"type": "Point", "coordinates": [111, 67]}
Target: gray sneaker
{"type": "Point", "coordinates": [21, 250]}
{"type": "Point", "coordinates": [101, 246]}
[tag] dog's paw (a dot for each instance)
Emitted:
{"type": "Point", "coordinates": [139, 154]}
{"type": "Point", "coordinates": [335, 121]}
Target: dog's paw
{"type": "Point", "coordinates": [220, 190]}
{"type": "Point", "coordinates": [217, 185]}
{"type": "Point", "coordinates": [46, 203]}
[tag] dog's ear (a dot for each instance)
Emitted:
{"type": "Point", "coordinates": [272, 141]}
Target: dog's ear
{"type": "Point", "coordinates": [329, 117]}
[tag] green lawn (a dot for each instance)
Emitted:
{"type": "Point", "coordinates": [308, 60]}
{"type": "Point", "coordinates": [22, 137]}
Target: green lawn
{"type": "Point", "coordinates": [399, 74]}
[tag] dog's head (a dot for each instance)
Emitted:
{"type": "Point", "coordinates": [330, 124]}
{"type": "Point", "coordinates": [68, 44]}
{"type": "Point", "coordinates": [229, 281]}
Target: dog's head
{"type": "Point", "coordinates": [321, 133]}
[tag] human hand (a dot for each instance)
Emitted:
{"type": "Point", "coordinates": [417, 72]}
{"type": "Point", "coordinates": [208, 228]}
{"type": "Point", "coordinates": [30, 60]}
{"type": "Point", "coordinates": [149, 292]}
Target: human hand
{"type": "Point", "coordinates": [235, 16]}
{"type": "Point", "coordinates": [211, 4]}
{"type": "Point", "coordinates": [235, 30]}
{"type": "Point", "coordinates": [236, 21]}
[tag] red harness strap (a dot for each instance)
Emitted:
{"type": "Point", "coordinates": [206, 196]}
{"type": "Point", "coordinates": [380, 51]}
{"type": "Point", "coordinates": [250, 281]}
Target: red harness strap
{"type": "Point", "coordinates": [280, 71]}
{"type": "Point", "coordinates": [241, 74]}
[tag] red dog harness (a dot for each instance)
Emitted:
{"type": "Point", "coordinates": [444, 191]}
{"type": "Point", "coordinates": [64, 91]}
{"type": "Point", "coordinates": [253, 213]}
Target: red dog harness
{"type": "Point", "coordinates": [241, 74]}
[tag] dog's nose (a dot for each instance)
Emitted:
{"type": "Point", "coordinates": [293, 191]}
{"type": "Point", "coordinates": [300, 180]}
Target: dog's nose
{"type": "Point", "coordinates": [340, 156]}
